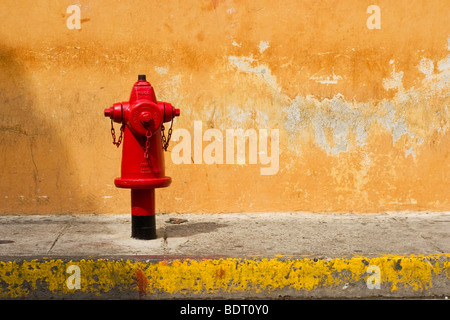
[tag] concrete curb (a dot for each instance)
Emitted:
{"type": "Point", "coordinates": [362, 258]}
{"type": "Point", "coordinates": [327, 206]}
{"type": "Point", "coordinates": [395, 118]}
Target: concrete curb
{"type": "Point", "coordinates": [227, 256]}
{"type": "Point", "coordinates": [387, 276]}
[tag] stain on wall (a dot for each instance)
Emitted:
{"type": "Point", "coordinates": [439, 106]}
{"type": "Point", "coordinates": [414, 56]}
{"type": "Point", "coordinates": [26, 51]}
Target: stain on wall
{"type": "Point", "coordinates": [362, 113]}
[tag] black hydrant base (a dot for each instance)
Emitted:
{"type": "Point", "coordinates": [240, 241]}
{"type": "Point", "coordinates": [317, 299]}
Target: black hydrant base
{"type": "Point", "coordinates": [143, 227]}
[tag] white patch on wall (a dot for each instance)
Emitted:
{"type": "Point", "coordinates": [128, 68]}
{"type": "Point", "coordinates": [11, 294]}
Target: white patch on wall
{"type": "Point", "coordinates": [394, 82]}
{"type": "Point", "coordinates": [410, 151]}
{"type": "Point", "coordinates": [444, 76]}
{"type": "Point", "coordinates": [436, 81]}
{"type": "Point", "coordinates": [170, 88]}
{"type": "Point", "coordinates": [338, 123]}
{"type": "Point", "coordinates": [340, 118]}
{"type": "Point", "coordinates": [294, 117]}
{"type": "Point", "coordinates": [426, 66]}
{"type": "Point", "coordinates": [333, 79]}
{"type": "Point", "coordinates": [161, 70]}
{"type": "Point", "coordinates": [263, 46]}
{"type": "Point", "coordinates": [237, 116]}
{"type": "Point", "coordinates": [244, 64]}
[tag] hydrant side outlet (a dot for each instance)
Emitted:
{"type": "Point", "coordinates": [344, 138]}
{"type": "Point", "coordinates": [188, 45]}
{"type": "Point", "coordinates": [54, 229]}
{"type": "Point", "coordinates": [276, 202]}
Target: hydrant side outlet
{"type": "Point", "coordinates": [142, 121]}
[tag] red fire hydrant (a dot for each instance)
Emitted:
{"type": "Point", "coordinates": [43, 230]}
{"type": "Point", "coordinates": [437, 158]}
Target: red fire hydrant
{"type": "Point", "coordinates": [142, 130]}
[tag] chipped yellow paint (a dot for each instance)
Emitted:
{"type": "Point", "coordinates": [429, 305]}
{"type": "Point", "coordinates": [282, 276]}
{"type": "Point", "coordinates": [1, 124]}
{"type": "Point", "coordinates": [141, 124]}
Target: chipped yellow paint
{"type": "Point", "coordinates": [209, 276]}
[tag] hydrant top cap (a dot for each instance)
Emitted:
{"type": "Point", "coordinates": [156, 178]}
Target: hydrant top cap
{"type": "Point", "coordinates": [142, 77]}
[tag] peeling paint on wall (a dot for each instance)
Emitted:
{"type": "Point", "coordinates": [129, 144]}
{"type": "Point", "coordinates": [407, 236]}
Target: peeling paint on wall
{"type": "Point", "coordinates": [244, 64]}
{"type": "Point", "coordinates": [341, 116]}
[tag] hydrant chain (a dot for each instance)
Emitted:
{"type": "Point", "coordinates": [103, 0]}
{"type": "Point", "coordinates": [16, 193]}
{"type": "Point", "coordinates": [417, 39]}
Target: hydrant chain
{"type": "Point", "coordinates": [148, 135]}
{"type": "Point", "coordinates": [113, 134]}
{"type": "Point", "coordinates": [165, 143]}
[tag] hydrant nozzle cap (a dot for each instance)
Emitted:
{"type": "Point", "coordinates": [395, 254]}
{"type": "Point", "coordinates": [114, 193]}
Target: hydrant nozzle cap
{"type": "Point", "coordinates": [142, 77]}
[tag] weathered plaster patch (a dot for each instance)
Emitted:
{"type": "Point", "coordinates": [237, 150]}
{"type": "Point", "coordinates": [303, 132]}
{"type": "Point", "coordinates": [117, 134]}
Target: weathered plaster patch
{"type": "Point", "coordinates": [294, 117]}
{"type": "Point", "coordinates": [419, 141]}
{"type": "Point", "coordinates": [426, 66]}
{"type": "Point", "coordinates": [161, 70]}
{"type": "Point", "coordinates": [444, 77]}
{"type": "Point", "coordinates": [333, 79]}
{"type": "Point", "coordinates": [436, 81]}
{"type": "Point", "coordinates": [410, 151]}
{"type": "Point", "coordinates": [394, 82]}
{"type": "Point", "coordinates": [340, 125]}
{"type": "Point", "coordinates": [237, 116]}
{"type": "Point", "coordinates": [244, 64]}
{"type": "Point", "coordinates": [234, 117]}
{"type": "Point", "coordinates": [399, 129]}
{"type": "Point", "coordinates": [341, 117]}
{"type": "Point", "coordinates": [171, 87]}
{"type": "Point", "coordinates": [263, 45]}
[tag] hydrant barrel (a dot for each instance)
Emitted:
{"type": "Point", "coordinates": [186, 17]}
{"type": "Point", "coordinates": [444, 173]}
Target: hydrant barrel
{"type": "Point", "coordinates": [143, 224]}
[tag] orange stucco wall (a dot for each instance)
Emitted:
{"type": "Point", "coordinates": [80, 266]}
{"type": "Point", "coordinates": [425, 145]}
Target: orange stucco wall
{"type": "Point", "coordinates": [362, 114]}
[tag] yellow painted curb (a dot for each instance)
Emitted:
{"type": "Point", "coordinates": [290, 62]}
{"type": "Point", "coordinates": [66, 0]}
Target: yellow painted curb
{"type": "Point", "coordinates": [217, 276]}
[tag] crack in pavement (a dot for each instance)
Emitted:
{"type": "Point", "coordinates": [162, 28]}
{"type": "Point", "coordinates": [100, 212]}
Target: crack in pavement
{"type": "Point", "coordinates": [59, 235]}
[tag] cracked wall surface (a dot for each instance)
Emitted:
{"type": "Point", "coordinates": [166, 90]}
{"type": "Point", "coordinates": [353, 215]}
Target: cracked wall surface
{"type": "Point", "coordinates": [362, 113]}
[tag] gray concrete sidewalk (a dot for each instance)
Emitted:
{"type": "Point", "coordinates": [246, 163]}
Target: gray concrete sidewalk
{"type": "Point", "coordinates": [229, 235]}
{"type": "Point", "coordinates": [254, 255]}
